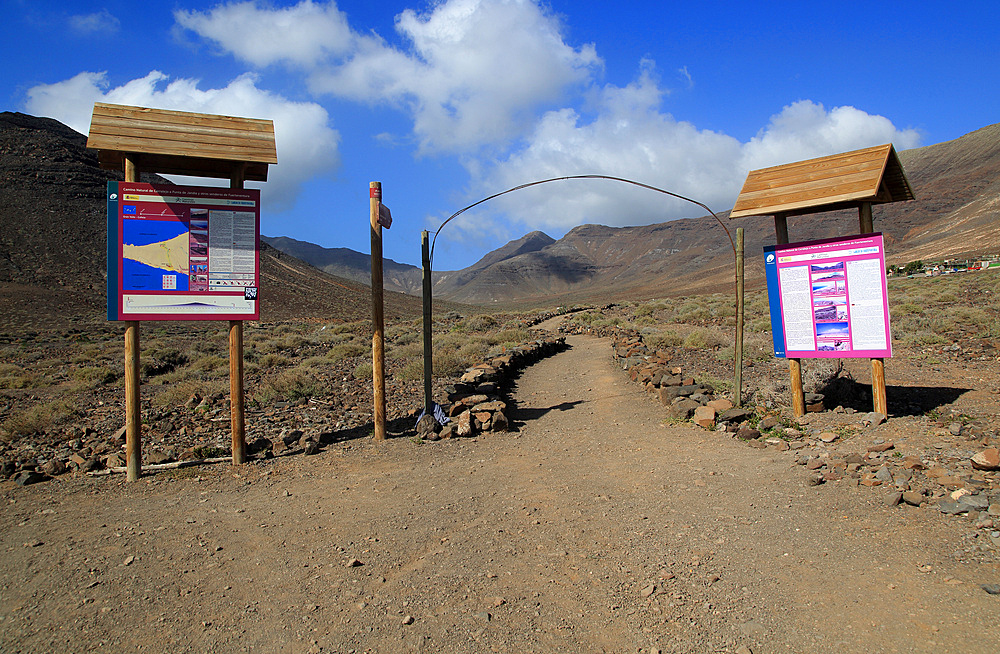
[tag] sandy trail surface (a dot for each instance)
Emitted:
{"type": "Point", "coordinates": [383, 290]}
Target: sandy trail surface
{"type": "Point", "coordinates": [595, 527]}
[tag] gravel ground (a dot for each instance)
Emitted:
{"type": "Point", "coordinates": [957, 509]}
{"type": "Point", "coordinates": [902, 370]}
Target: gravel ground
{"type": "Point", "coordinates": [596, 526]}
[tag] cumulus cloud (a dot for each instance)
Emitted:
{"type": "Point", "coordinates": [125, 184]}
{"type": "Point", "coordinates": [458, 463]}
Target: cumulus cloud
{"type": "Point", "coordinates": [304, 34]}
{"type": "Point", "coordinates": [805, 129]}
{"type": "Point", "coordinates": [472, 72]}
{"type": "Point", "coordinates": [630, 136]}
{"type": "Point", "coordinates": [101, 22]}
{"type": "Point", "coordinates": [307, 145]}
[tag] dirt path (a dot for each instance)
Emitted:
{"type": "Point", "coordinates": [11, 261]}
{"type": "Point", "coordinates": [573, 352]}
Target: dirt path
{"type": "Point", "coordinates": [595, 527]}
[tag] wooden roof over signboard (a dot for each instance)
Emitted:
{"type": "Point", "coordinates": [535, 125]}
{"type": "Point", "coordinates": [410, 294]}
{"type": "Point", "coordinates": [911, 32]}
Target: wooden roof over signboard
{"type": "Point", "coordinates": [182, 143]}
{"type": "Point", "coordinates": [836, 182]}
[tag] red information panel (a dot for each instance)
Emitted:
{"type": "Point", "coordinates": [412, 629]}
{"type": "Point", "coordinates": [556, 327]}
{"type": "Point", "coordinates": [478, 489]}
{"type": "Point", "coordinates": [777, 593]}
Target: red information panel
{"type": "Point", "coordinates": [182, 252]}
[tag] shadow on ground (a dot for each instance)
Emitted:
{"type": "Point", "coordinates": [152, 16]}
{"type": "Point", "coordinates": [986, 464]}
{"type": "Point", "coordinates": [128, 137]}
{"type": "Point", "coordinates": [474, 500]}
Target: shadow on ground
{"type": "Point", "coordinates": [523, 415]}
{"type": "Point", "coordinates": [902, 400]}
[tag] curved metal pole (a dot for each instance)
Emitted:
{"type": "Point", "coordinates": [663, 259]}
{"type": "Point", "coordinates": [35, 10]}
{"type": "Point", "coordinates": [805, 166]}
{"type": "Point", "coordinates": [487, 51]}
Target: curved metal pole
{"type": "Point", "coordinates": [736, 255]}
{"type": "Point", "coordinates": [557, 179]}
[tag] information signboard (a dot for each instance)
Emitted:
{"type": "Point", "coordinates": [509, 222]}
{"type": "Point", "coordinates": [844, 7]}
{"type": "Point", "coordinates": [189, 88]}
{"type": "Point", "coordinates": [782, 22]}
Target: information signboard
{"type": "Point", "coordinates": [182, 252]}
{"type": "Point", "coordinates": [828, 298]}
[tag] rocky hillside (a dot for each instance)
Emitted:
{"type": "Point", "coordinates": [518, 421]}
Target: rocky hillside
{"type": "Point", "coordinates": [350, 264]}
{"type": "Point", "coordinates": [955, 214]}
{"type": "Point", "coordinates": [53, 239]}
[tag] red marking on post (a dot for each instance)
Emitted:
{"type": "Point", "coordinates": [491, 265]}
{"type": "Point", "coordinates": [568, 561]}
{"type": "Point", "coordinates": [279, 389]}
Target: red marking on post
{"type": "Point", "coordinates": [375, 193]}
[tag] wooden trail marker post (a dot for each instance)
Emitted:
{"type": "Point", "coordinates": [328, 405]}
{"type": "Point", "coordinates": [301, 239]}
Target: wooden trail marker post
{"type": "Point", "coordinates": [140, 139]}
{"type": "Point", "coordinates": [378, 315]}
{"type": "Point", "coordinates": [856, 179]}
{"type": "Point", "coordinates": [425, 257]}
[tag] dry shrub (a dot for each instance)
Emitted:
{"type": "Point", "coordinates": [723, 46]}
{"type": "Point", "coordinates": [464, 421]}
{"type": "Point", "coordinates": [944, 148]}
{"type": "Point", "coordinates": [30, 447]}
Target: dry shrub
{"type": "Point", "coordinates": [481, 323]}
{"type": "Point", "coordinates": [347, 350]}
{"type": "Point", "coordinates": [211, 363]}
{"type": "Point", "coordinates": [412, 371]}
{"type": "Point", "coordinates": [273, 360]}
{"type": "Point", "coordinates": [178, 393]}
{"type": "Point", "coordinates": [96, 376]}
{"type": "Point", "coordinates": [705, 339]}
{"type": "Point", "coordinates": [449, 364]}
{"type": "Point", "coordinates": [289, 385]}
{"type": "Point", "coordinates": [666, 338]}
{"type": "Point", "coordinates": [363, 371]}
{"type": "Point", "coordinates": [12, 376]}
{"type": "Point", "coordinates": [36, 419]}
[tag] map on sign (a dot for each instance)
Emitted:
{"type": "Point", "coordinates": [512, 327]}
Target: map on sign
{"type": "Point", "coordinates": [182, 252]}
{"type": "Point", "coordinates": [155, 255]}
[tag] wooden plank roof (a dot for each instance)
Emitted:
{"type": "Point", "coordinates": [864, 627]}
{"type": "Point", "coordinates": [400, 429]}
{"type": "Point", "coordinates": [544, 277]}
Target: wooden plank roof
{"type": "Point", "coordinates": [182, 143]}
{"type": "Point", "coordinates": [835, 182]}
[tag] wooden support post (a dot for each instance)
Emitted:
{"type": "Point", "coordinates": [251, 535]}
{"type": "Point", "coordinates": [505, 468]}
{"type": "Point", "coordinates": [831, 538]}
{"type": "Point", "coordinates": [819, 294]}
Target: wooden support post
{"type": "Point", "coordinates": [428, 316]}
{"type": "Point", "coordinates": [878, 387]}
{"type": "Point", "coordinates": [794, 364]}
{"type": "Point", "coordinates": [738, 391]}
{"type": "Point", "coordinates": [133, 410]}
{"type": "Point", "coordinates": [865, 219]}
{"type": "Point", "coordinates": [378, 318]}
{"type": "Point", "coordinates": [133, 415]}
{"type": "Point", "coordinates": [881, 405]}
{"type": "Point", "coordinates": [236, 415]}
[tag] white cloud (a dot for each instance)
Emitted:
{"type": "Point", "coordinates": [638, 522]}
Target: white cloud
{"type": "Point", "coordinates": [101, 22]}
{"type": "Point", "coordinates": [473, 72]}
{"type": "Point", "coordinates": [303, 34]}
{"type": "Point", "coordinates": [805, 129]}
{"type": "Point", "coordinates": [631, 137]}
{"type": "Point", "coordinates": [307, 145]}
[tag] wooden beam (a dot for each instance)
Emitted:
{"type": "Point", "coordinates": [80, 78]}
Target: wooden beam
{"type": "Point", "coordinates": [133, 409]}
{"type": "Point", "coordinates": [236, 396]}
{"type": "Point", "coordinates": [865, 220]}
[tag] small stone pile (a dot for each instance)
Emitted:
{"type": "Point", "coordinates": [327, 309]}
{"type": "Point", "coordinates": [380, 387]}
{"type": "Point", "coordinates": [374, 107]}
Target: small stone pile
{"type": "Point", "coordinates": [475, 403]}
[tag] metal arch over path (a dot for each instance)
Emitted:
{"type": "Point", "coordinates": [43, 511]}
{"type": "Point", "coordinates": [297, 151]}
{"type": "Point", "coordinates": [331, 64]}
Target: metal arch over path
{"type": "Point", "coordinates": [428, 258]}
{"type": "Point", "coordinates": [559, 179]}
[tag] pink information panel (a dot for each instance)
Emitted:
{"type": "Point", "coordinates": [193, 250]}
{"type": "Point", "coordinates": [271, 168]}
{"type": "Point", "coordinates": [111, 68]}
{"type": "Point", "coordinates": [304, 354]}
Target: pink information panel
{"type": "Point", "coordinates": [828, 298]}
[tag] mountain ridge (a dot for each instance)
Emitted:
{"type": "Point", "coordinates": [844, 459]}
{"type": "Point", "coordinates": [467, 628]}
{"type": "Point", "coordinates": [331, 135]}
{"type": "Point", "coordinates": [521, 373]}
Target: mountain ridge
{"type": "Point", "coordinates": [955, 213]}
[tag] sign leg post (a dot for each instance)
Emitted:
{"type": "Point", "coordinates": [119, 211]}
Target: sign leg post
{"type": "Point", "coordinates": [794, 364]}
{"type": "Point", "coordinates": [133, 411]}
{"type": "Point", "coordinates": [236, 417]}
{"type": "Point", "coordinates": [133, 415]}
{"type": "Point", "coordinates": [878, 387]}
{"type": "Point", "coordinates": [378, 317]}
{"type": "Point", "coordinates": [237, 422]}
{"type": "Point", "coordinates": [738, 391]}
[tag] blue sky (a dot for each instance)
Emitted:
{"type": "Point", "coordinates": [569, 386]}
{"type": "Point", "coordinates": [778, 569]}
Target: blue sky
{"type": "Point", "coordinates": [448, 102]}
